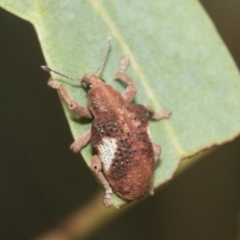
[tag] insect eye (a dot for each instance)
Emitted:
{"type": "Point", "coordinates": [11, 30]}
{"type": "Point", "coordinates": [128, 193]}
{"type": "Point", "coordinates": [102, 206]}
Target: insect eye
{"type": "Point", "coordinates": [88, 86]}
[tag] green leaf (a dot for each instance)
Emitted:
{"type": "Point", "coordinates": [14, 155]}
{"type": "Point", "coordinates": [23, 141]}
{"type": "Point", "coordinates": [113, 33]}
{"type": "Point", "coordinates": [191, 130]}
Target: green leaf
{"type": "Point", "coordinates": [178, 62]}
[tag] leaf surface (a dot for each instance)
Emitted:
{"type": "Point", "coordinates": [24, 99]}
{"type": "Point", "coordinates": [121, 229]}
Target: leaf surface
{"type": "Point", "coordinates": [178, 62]}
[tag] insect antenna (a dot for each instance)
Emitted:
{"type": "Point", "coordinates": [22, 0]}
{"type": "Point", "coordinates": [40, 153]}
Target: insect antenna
{"type": "Point", "coordinates": [99, 70]}
{"type": "Point", "coordinates": [48, 69]}
{"type": "Point", "coordinates": [104, 57]}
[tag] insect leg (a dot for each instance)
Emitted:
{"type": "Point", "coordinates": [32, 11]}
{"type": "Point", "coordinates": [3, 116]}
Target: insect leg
{"type": "Point", "coordinates": [96, 166]}
{"type": "Point", "coordinates": [81, 141]}
{"type": "Point", "coordinates": [157, 151]}
{"type": "Point", "coordinates": [131, 89]}
{"type": "Point", "coordinates": [158, 116]}
{"type": "Point", "coordinates": [73, 106]}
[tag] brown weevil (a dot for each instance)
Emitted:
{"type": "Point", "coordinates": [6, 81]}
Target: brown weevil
{"type": "Point", "coordinates": [124, 163]}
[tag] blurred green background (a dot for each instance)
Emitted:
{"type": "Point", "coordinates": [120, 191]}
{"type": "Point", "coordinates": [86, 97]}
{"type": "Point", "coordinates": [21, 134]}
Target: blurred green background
{"type": "Point", "coordinates": [42, 181]}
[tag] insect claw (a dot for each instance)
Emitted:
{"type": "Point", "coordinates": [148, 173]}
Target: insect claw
{"type": "Point", "coordinates": [107, 200]}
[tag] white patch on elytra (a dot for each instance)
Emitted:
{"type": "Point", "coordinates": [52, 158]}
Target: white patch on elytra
{"type": "Point", "coordinates": [107, 151]}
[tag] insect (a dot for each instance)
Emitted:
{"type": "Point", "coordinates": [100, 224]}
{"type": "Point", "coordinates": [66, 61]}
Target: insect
{"type": "Point", "coordinates": [125, 154]}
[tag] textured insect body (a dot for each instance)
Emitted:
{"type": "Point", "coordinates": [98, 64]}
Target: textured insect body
{"type": "Point", "coordinates": [125, 157]}
{"type": "Point", "coordinates": [119, 134]}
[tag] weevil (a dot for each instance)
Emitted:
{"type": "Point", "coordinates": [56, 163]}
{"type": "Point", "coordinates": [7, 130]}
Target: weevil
{"type": "Point", "coordinates": [125, 154]}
